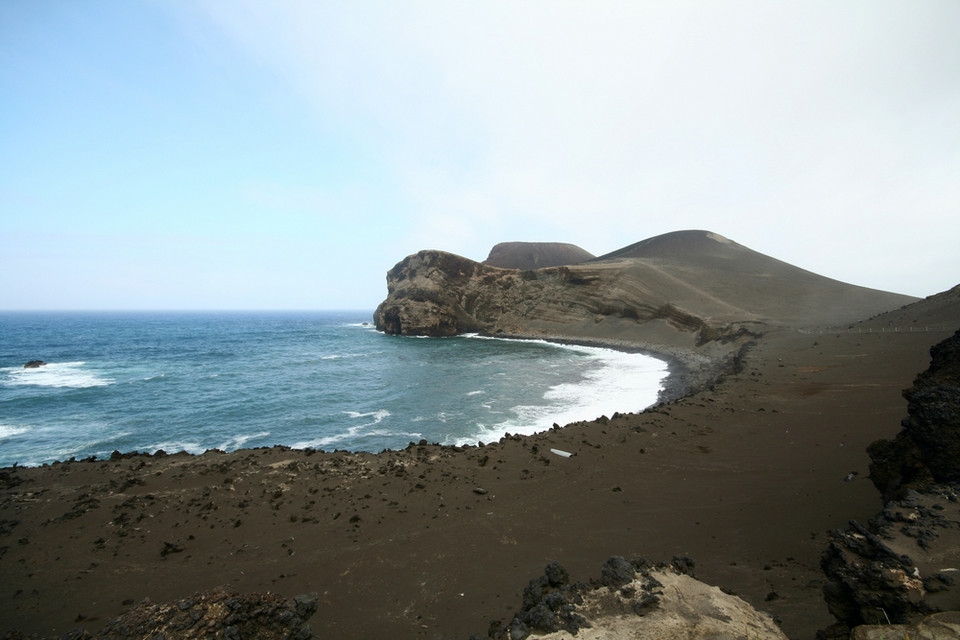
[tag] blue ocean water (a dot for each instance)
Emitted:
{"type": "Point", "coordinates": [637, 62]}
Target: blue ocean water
{"type": "Point", "coordinates": [327, 380]}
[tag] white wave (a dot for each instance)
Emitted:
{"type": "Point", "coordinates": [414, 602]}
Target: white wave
{"type": "Point", "coordinates": [475, 393]}
{"type": "Point", "coordinates": [559, 345]}
{"type": "Point", "coordinates": [351, 433]}
{"type": "Point", "coordinates": [7, 431]}
{"type": "Point", "coordinates": [73, 375]}
{"type": "Point", "coordinates": [237, 442]}
{"type": "Point", "coordinates": [378, 415]}
{"type": "Point", "coordinates": [620, 382]}
{"type": "Point", "coordinates": [341, 356]}
{"type": "Point", "coordinates": [354, 431]}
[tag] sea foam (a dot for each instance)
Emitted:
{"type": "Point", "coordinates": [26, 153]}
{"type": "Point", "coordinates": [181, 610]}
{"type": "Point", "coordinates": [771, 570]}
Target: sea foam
{"type": "Point", "coordinates": [620, 382]}
{"type": "Point", "coordinates": [75, 375]}
{"type": "Point", "coordinates": [352, 432]}
{"type": "Point", "coordinates": [7, 431]}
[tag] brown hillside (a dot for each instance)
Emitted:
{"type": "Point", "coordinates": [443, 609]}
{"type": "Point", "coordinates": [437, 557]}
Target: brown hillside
{"type": "Point", "coordinates": [535, 255]}
{"type": "Point", "coordinates": [712, 276]}
{"type": "Point", "coordinates": [940, 311]}
{"type": "Point", "coordinates": [681, 289]}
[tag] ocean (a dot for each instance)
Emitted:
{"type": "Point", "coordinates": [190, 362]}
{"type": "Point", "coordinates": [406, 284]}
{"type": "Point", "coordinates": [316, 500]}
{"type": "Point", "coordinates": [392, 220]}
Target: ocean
{"type": "Point", "coordinates": [139, 381]}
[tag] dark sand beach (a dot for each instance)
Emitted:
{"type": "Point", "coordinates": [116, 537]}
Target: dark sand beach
{"type": "Point", "coordinates": [746, 477]}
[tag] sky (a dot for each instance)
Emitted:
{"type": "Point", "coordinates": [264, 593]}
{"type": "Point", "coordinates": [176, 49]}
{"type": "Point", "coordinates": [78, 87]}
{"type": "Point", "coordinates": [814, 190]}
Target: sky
{"type": "Point", "coordinates": [241, 154]}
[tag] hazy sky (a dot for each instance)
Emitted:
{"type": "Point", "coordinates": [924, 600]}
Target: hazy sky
{"type": "Point", "coordinates": [232, 154]}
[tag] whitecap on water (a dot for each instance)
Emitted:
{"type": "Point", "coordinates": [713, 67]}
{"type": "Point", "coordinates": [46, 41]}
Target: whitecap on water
{"type": "Point", "coordinates": [7, 431]}
{"type": "Point", "coordinates": [74, 375]}
{"type": "Point", "coordinates": [377, 416]}
{"type": "Point", "coordinates": [238, 442]}
{"type": "Point", "coordinates": [353, 432]}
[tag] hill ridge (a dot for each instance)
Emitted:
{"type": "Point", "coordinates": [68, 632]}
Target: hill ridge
{"type": "Point", "coordinates": [682, 288]}
{"type": "Point", "coordinates": [535, 255]}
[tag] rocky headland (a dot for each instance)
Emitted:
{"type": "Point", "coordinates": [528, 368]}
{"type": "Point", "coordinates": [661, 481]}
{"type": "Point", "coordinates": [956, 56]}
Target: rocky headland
{"type": "Point", "coordinates": [755, 472]}
{"type": "Point", "coordinates": [685, 289]}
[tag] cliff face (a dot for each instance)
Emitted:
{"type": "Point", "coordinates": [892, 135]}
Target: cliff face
{"type": "Point", "coordinates": [904, 561]}
{"type": "Point", "coordinates": [927, 449]}
{"type": "Point", "coordinates": [434, 293]}
{"type": "Point", "coordinates": [684, 288]}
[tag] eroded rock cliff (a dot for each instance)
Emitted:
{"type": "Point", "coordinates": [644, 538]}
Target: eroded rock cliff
{"type": "Point", "coordinates": [903, 564]}
{"type": "Point", "coordinates": [434, 293]}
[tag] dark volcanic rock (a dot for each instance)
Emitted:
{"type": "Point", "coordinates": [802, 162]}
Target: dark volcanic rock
{"type": "Point", "coordinates": [927, 449]}
{"type": "Point", "coordinates": [904, 564]}
{"type": "Point", "coordinates": [34, 364]}
{"type": "Point", "coordinates": [219, 614]}
{"type": "Point", "coordinates": [636, 599]}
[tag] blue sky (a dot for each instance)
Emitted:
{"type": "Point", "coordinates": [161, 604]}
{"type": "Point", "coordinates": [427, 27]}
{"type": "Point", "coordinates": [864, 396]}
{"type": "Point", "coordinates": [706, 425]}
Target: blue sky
{"type": "Point", "coordinates": [232, 154]}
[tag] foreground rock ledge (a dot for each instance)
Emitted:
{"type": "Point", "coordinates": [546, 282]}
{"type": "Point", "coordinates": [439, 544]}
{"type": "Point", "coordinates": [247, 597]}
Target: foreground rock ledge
{"type": "Point", "coordinates": [217, 614]}
{"type": "Point", "coordinates": [633, 600]}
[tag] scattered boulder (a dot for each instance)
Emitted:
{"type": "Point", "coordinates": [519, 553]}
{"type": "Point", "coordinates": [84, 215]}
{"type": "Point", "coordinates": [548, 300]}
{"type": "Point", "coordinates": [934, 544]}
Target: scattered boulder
{"type": "Point", "coordinates": [633, 600]}
{"type": "Point", "coordinates": [219, 614]}
{"type": "Point", "coordinates": [35, 364]}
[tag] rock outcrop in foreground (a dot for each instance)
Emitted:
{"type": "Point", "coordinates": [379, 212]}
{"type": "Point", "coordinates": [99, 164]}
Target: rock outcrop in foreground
{"type": "Point", "coordinates": [633, 600]}
{"type": "Point", "coordinates": [904, 564]}
{"type": "Point", "coordinates": [219, 614]}
{"type": "Point", "coordinates": [927, 449]}
{"type": "Point", "coordinates": [681, 289]}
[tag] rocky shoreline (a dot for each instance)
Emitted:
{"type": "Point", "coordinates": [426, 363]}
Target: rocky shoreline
{"type": "Point", "coordinates": [688, 370]}
{"type": "Point", "coordinates": [746, 476]}
{"type": "Point", "coordinates": [753, 464]}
